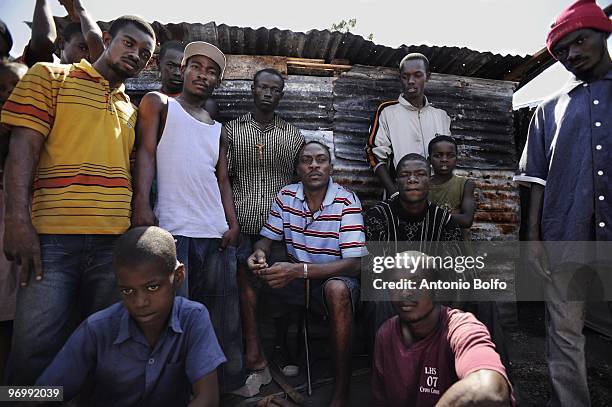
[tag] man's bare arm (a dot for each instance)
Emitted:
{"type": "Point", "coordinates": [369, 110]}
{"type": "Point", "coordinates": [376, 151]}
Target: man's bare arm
{"type": "Point", "coordinates": [21, 242]}
{"type": "Point", "coordinates": [536, 202]}
{"type": "Point", "coordinates": [280, 274]}
{"type": "Point", "coordinates": [212, 108]}
{"type": "Point", "coordinates": [466, 217]}
{"type": "Point", "coordinates": [5, 139]}
{"type": "Point", "coordinates": [91, 31]}
{"type": "Point", "coordinates": [264, 244]}
{"type": "Point", "coordinates": [150, 111]}
{"type": "Point", "coordinates": [44, 34]}
{"type": "Point", "coordinates": [206, 391]}
{"type": "Point", "coordinates": [536, 252]}
{"type": "Point", "coordinates": [344, 267]}
{"type": "Point", "coordinates": [227, 197]}
{"type": "Point", "coordinates": [382, 172]}
{"type": "Point", "coordinates": [261, 250]}
{"type": "Point", "coordinates": [482, 388]}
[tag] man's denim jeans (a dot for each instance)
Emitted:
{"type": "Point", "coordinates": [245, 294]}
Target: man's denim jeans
{"type": "Point", "coordinates": [78, 280]}
{"type": "Point", "coordinates": [213, 282]}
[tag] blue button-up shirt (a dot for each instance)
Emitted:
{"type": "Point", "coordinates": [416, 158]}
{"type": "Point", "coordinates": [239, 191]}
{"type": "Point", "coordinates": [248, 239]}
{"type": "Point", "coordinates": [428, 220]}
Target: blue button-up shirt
{"type": "Point", "coordinates": [569, 151]}
{"type": "Point", "coordinates": [111, 350]}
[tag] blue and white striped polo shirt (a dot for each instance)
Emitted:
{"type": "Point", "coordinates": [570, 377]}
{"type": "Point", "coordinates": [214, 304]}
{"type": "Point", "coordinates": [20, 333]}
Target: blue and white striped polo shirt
{"type": "Point", "coordinates": [332, 233]}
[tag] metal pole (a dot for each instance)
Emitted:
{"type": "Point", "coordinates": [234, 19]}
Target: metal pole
{"type": "Point", "coordinates": [307, 293]}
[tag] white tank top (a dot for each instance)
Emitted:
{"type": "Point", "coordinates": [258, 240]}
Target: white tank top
{"type": "Point", "coordinates": [188, 196]}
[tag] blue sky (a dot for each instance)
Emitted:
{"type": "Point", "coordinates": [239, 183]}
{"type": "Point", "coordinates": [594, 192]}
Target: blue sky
{"type": "Point", "coordinates": [500, 26]}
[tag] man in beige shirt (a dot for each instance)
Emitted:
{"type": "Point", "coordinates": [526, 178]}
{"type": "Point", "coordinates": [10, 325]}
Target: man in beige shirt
{"type": "Point", "coordinates": [405, 125]}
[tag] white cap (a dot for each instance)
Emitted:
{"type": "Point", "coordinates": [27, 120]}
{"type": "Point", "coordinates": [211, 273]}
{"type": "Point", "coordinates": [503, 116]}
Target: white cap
{"type": "Point", "coordinates": [206, 49]}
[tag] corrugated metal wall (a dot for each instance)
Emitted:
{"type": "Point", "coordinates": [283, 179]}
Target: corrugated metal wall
{"type": "Point", "coordinates": [482, 122]}
{"type": "Point", "coordinates": [334, 45]}
{"type": "Point", "coordinates": [331, 45]}
{"type": "Point", "coordinates": [338, 110]}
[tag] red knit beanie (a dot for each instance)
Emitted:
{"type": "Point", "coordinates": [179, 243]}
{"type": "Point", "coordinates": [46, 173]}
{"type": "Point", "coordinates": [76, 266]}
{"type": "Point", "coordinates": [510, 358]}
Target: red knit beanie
{"type": "Point", "coordinates": [579, 15]}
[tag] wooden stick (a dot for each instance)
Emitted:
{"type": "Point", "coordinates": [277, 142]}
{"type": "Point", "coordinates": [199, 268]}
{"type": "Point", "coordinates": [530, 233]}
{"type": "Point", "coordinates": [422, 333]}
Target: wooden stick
{"type": "Point", "coordinates": [307, 294]}
{"type": "Point", "coordinates": [294, 59]}
{"type": "Point", "coordinates": [291, 392]}
{"type": "Point", "coordinates": [318, 65]}
{"type": "Point", "coordinates": [319, 383]}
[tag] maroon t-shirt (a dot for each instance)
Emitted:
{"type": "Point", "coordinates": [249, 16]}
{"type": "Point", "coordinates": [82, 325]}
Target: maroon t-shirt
{"type": "Point", "coordinates": [420, 374]}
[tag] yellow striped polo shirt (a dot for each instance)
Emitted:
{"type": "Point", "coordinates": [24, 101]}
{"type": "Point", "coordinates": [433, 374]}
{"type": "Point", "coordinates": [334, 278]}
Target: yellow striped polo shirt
{"type": "Point", "coordinates": [83, 183]}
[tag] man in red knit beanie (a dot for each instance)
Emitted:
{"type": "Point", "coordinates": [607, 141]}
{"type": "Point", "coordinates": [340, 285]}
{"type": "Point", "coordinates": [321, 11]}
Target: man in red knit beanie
{"type": "Point", "coordinates": [566, 162]}
{"type": "Point", "coordinates": [579, 15]}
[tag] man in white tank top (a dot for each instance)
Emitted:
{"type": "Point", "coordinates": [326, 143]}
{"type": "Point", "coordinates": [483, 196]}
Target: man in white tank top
{"type": "Point", "coordinates": [169, 63]}
{"type": "Point", "coordinates": [178, 141]}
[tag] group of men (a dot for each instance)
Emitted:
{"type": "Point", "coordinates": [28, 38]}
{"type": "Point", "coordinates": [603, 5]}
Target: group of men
{"type": "Point", "coordinates": [233, 222]}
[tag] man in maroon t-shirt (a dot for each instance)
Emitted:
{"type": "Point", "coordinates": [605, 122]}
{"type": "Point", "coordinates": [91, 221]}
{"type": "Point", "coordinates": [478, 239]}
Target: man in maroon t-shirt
{"type": "Point", "coordinates": [430, 354]}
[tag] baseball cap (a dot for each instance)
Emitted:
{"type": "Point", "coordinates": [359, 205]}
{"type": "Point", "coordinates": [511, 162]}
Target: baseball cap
{"type": "Point", "coordinates": [206, 49]}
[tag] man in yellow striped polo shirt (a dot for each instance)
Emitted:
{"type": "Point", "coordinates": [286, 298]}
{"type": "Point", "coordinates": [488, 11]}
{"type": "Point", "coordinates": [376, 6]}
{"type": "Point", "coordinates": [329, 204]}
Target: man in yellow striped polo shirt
{"type": "Point", "coordinates": [69, 190]}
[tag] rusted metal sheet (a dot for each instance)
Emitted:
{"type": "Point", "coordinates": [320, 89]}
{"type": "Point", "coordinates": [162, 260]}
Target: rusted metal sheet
{"type": "Point", "coordinates": [245, 66]}
{"type": "Point", "coordinates": [482, 123]}
{"type": "Point", "coordinates": [497, 205]}
{"type": "Point", "coordinates": [481, 111]}
{"type": "Point", "coordinates": [307, 102]}
{"type": "Point", "coordinates": [522, 119]}
{"type": "Point", "coordinates": [338, 112]}
{"type": "Point", "coordinates": [327, 45]}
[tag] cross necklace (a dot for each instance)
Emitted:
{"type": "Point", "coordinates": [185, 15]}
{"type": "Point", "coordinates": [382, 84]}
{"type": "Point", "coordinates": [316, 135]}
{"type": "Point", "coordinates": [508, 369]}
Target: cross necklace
{"type": "Point", "coordinates": [259, 146]}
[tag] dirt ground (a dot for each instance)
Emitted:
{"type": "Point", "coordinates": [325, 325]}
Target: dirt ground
{"type": "Point", "coordinates": [529, 371]}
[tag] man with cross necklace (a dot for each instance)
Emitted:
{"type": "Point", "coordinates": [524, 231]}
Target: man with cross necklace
{"type": "Point", "coordinates": [262, 153]}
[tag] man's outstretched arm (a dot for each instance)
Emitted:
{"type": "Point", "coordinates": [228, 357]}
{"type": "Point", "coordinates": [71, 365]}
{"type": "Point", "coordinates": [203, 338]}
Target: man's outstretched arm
{"type": "Point", "coordinates": [44, 34]}
{"type": "Point", "coordinates": [90, 29]}
{"type": "Point", "coordinates": [486, 388]}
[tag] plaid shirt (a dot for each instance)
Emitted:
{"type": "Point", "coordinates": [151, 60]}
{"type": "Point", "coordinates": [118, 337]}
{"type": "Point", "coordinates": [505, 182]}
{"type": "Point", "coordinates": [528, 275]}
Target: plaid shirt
{"type": "Point", "coordinates": [260, 163]}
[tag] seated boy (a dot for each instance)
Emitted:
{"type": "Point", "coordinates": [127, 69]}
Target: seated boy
{"type": "Point", "coordinates": [430, 354]}
{"type": "Point", "coordinates": [456, 194]}
{"type": "Point", "coordinates": [151, 349]}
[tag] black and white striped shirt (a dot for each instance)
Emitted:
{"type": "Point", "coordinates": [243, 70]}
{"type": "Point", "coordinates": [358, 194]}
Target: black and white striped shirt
{"type": "Point", "coordinates": [261, 162]}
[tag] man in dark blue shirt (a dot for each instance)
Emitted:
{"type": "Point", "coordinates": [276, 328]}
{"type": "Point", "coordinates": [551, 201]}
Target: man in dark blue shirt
{"type": "Point", "coordinates": [151, 349]}
{"type": "Point", "coordinates": [567, 164]}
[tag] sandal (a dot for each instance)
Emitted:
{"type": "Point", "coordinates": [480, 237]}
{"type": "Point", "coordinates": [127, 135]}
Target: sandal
{"type": "Point", "coordinates": [284, 363]}
{"type": "Point", "coordinates": [253, 382]}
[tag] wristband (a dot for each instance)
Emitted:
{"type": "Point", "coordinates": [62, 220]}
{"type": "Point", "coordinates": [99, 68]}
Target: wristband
{"type": "Point", "coordinates": [393, 195]}
{"type": "Point", "coordinates": [305, 271]}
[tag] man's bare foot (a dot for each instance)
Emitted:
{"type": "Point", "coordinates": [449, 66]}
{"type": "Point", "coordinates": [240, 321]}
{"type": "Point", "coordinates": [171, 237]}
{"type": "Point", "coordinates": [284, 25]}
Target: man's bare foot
{"type": "Point", "coordinates": [253, 383]}
{"type": "Point", "coordinates": [255, 363]}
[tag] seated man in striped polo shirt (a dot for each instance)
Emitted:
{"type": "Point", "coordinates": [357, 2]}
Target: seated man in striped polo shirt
{"type": "Point", "coordinates": [322, 226]}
